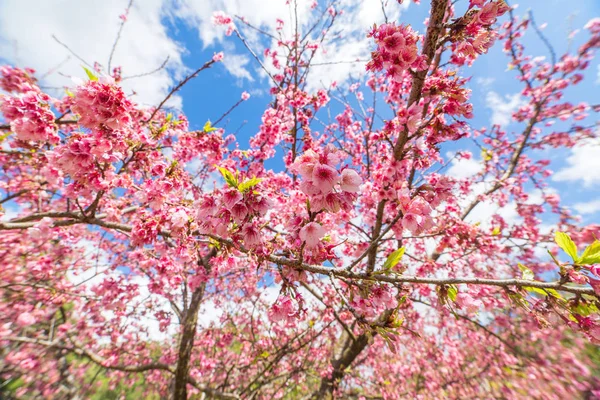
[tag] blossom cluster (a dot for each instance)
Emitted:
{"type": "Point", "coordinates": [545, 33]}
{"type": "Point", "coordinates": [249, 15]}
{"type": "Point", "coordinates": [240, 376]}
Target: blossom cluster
{"type": "Point", "coordinates": [101, 105]}
{"type": "Point", "coordinates": [396, 50]}
{"type": "Point", "coordinates": [220, 18]}
{"type": "Point", "coordinates": [233, 209]}
{"type": "Point", "coordinates": [326, 187]}
{"type": "Point", "coordinates": [16, 79]}
{"type": "Point", "coordinates": [79, 156]}
{"type": "Point", "coordinates": [477, 37]}
{"type": "Point", "coordinates": [30, 116]}
{"type": "Point", "coordinates": [416, 212]}
{"type": "Point", "coordinates": [286, 309]}
{"type": "Point", "coordinates": [417, 209]}
{"type": "Point", "coordinates": [378, 299]}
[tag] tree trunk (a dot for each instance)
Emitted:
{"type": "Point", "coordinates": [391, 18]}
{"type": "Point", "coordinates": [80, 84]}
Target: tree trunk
{"type": "Point", "coordinates": [186, 344]}
{"type": "Point", "coordinates": [351, 350]}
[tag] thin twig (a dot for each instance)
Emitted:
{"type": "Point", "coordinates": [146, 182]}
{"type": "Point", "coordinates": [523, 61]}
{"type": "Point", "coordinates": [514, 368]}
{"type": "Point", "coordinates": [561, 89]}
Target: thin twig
{"type": "Point", "coordinates": [228, 111]}
{"type": "Point", "coordinates": [148, 73]}
{"type": "Point", "coordinates": [71, 51]}
{"type": "Point", "coordinates": [247, 46]}
{"type": "Point", "coordinates": [543, 38]}
{"type": "Point", "coordinates": [123, 21]}
{"type": "Point", "coordinates": [179, 86]}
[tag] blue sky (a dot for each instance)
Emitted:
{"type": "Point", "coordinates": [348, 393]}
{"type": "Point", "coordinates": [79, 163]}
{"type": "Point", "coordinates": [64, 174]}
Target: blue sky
{"type": "Point", "coordinates": [182, 30]}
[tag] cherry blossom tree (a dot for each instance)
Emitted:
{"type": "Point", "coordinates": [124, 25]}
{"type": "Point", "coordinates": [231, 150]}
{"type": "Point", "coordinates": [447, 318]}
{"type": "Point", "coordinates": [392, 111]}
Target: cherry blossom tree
{"type": "Point", "coordinates": [353, 271]}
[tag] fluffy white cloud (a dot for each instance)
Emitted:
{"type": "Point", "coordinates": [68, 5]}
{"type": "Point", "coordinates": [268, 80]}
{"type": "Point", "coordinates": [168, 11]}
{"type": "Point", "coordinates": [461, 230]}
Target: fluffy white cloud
{"type": "Point", "coordinates": [335, 61]}
{"type": "Point", "coordinates": [503, 107]}
{"type": "Point", "coordinates": [583, 162]}
{"type": "Point", "coordinates": [463, 168]}
{"type": "Point", "coordinates": [589, 207]}
{"type": "Point", "coordinates": [89, 29]}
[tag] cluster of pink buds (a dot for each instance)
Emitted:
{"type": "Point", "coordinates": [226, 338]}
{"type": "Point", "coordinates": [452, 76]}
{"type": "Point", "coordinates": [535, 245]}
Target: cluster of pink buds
{"type": "Point", "coordinates": [145, 231]}
{"type": "Point", "coordinates": [417, 212]}
{"type": "Point", "coordinates": [101, 105]}
{"type": "Point", "coordinates": [285, 310]}
{"type": "Point", "coordinates": [233, 209]}
{"type": "Point", "coordinates": [220, 18]}
{"type": "Point", "coordinates": [379, 299]}
{"type": "Point", "coordinates": [80, 156]}
{"type": "Point", "coordinates": [477, 38]}
{"type": "Point", "coordinates": [326, 187]}
{"type": "Point", "coordinates": [396, 50]}
{"type": "Point", "coordinates": [30, 116]}
{"type": "Point", "coordinates": [17, 80]}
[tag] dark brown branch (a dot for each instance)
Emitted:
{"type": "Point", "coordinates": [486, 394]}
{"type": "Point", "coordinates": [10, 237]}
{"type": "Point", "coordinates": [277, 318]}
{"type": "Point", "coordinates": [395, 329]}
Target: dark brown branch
{"type": "Point", "coordinates": [342, 272]}
{"type": "Point", "coordinates": [438, 10]}
{"type": "Point", "coordinates": [57, 121]}
{"type": "Point", "coordinates": [78, 349]}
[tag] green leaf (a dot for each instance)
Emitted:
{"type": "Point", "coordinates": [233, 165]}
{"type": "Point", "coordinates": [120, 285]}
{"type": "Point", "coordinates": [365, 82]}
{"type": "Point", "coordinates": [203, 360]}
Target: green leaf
{"type": "Point", "coordinates": [393, 259]}
{"type": "Point", "coordinates": [496, 231]}
{"type": "Point", "coordinates": [564, 242]}
{"type": "Point", "coordinates": [452, 292]}
{"type": "Point", "coordinates": [90, 74]}
{"type": "Point", "coordinates": [208, 127]}
{"type": "Point", "coordinates": [14, 384]}
{"type": "Point", "coordinates": [2, 137]}
{"type": "Point", "coordinates": [519, 300]}
{"type": "Point", "coordinates": [248, 184]}
{"type": "Point", "coordinates": [228, 176]}
{"type": "Point", "coordinates": [535, 290]}
{"type": "Point", "coordinates": [591, 254]}
{"type": "Point", "coordinates": [69, 93]}
{"type": "Point", "coordinates": [527, 274]}
{"type": "Point", "coordinates": [585, 309]}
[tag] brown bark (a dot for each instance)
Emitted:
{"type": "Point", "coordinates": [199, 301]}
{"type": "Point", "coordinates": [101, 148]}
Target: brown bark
{"type": "Point", "coordinates": [436, 20]}
{"type": "Point", "coordinates": [351, 350]}
{"type": "Point", "coordinates": [186, 343]}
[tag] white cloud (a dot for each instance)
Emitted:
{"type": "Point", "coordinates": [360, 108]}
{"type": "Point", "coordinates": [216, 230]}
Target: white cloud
{"type": "Point", "coordinates": [89, 29]}
{"type": "Point", "coordinates": [485, 210]}
{"type": "Point", "coordinates": [589, 207]}
{"type": "Point", "coordinates": [348, 40]}
{"type": "Point", "coordinates": [485, 82]}
{"type": "Point", "coordinates": [583, 163]}
{"type": "Point", "coordinates": [235, 64]}
{"type": "Point", "coordinates": [464, 168]}
{"type": "Point", "coordinates": [503, 107]}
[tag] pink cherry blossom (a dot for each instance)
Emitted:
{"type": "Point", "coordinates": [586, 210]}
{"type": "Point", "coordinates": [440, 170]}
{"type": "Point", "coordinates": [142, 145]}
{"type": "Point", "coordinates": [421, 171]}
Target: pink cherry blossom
{"type": "Point", "coordinates": [26, 319]}
{"type": "Point", "coordinates": [311, 234]}
{"type": "Point", "coordinates": [324, 177]}
{"type": "Point", "coordinates": [350, 181]}
{"type": "Point", "coordinates": [218, 56]}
